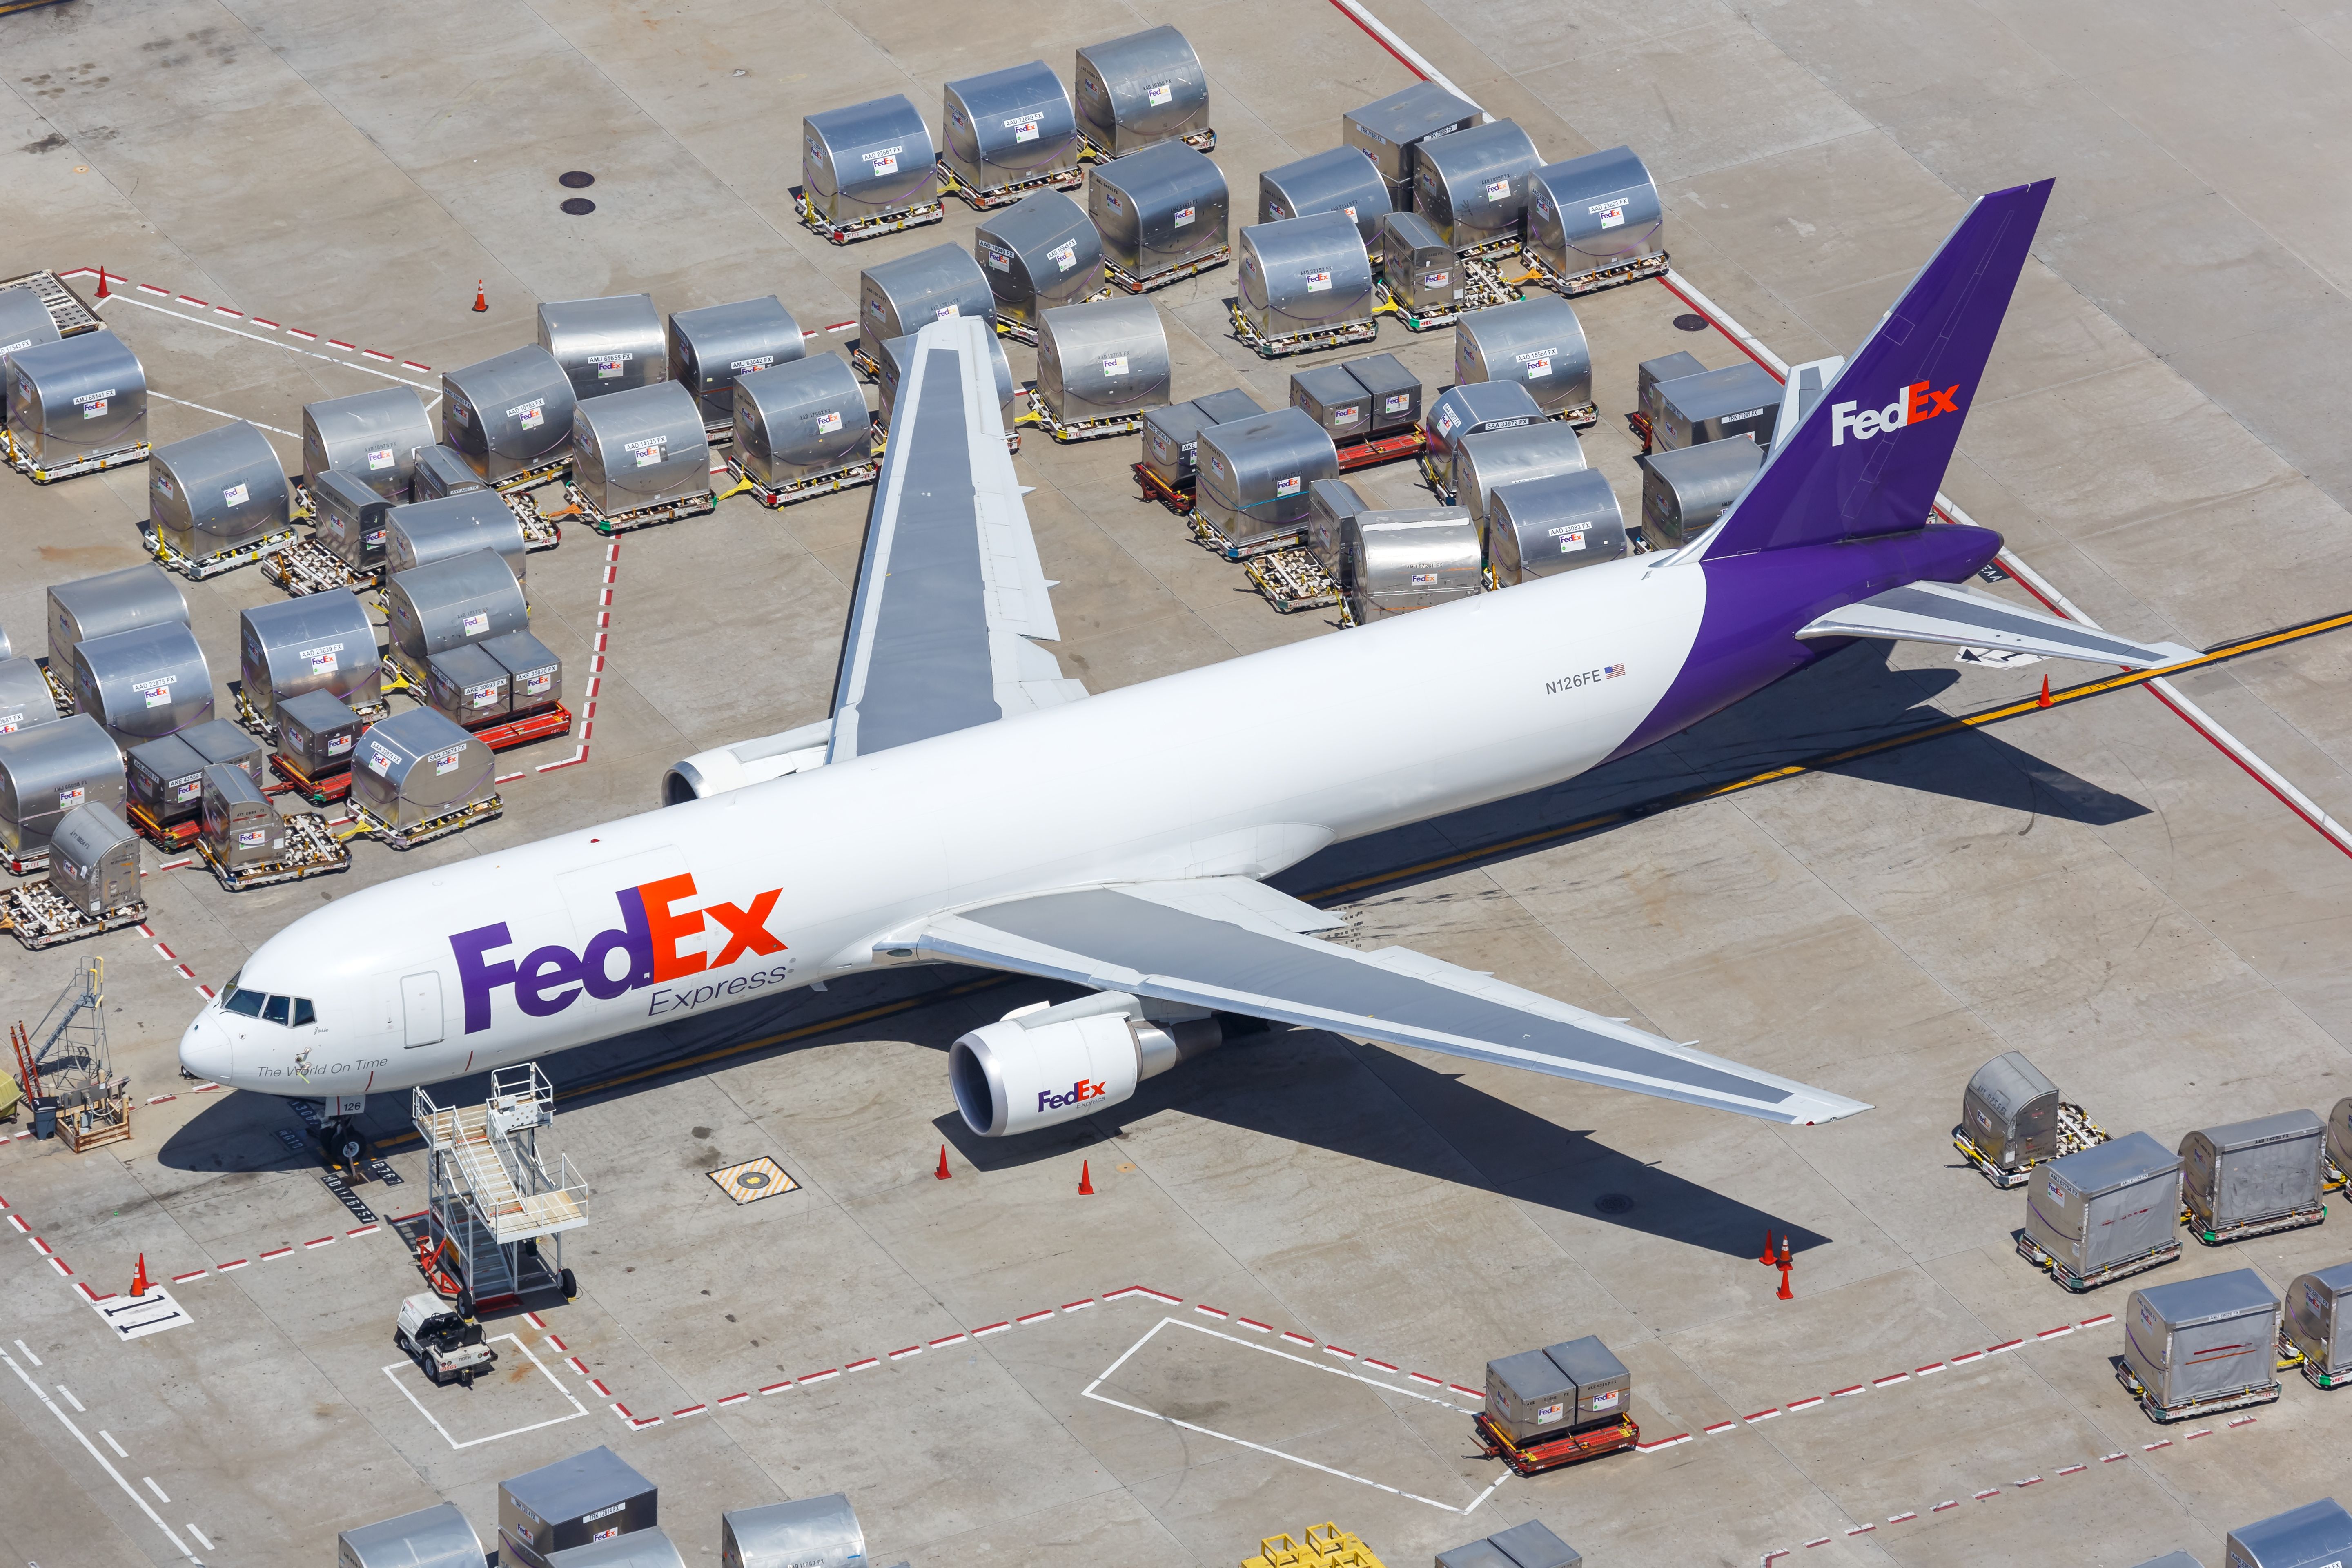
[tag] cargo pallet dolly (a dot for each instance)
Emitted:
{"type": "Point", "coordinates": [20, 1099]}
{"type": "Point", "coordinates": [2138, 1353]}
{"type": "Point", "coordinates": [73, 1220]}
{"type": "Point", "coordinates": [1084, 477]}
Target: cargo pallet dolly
{"type": "Point", "coordinates": [539, 532]}
{"type": "Point", "coordinates": [2220, 1404]}
{"type": "Point", "coordinates": [644, 516]}
{"type": "Point", "coordinates": [1552, 1453]}
{"type": "Point", "coordinates": [1594, 282]}
{"type": "Point", "coordinates": [91, 1105]}
{"type": "Point", "coordinates": [166, 836]}
{"type": "Point", "coordinates": [35, 916]}
{"type": "Point", "coordinates": [1293, 579]}
{"type": "Point", "coordinates": [1325, 1546]}
{"type": "Point", "coordinates": [1113, 273]}
{"type": "Point", "coordinates": [1383, 449]}
{"type": "Point", "coordinates": [1290, 343]}
{"type": "Point", "coordinates": [1211, 539]}
{"type": "Point", "coordinates": [1495, 249]}
{"type": "Point", "coordinates": [197, 570]}
{"type": "Point", "coordinates": [328, 791]}
{"type": "Point", "coordinates": [2077, 1132]}
{"type": "Point", "coordinates": [1080, 429]}
{"type": "Point", "coordinates": [2246, 1230]}
{"type": "Point", "coordinates": [520, 731]}
{"type": "Point", "coordinates": [533, 478]}
{"type": "Point", "coordinates": [58, 692]}
{"type": "Point", "coordinates": [487, 809]}
{"type": "Point", "coordinates": [1090, 151]}
{"type": "Point", "coordinates": [312, 850]}
{"type": "Point", "coordinates": [494, 1196]}
{"type": "Point", "coordinates": [96, 463]}
{"type": "Point", "coordinates": [306, 566]}
{"type": "Point", "coordinates": [31, 865]}
{"type": "Point", "coordinates": [983, 200]}
{"type": "Point", "coordinates": [873, 228]}
{"type": "Point", "coordinates": [2154, 1257]}
{"type": "Point", "coordinates": [1482, 284]}
{"type": "Point", "coordinates": [69, 312]}
{"type": "Point", "coordinates": [1157, 489]}
{"type": "Point", "coordinates": [805, 490]}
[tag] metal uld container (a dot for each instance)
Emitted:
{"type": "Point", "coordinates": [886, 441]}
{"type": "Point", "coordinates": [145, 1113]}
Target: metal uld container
{"type": "Point", "coordinates": [1479, 1553]}
{"type": "Point", "coordinates": [2317, 1321]}
{"type": "Point", "coordinates": [1409, 560]}
{"type": "Point", "coordinates": [614, 343]}
{"type": "Point", "coordinates": [896, 298]}
{"type": "Point", "coordinates": [1305, 275]}
{"type": "Point", "coordinates": [1537, 342]}
{"type": "Point", "coordinates": [2200, 1338]}
{"type": "Point", "coordinates": [24, 321]}
{"type": "Point", "coordinates": [468, 686]}
{"type": "Point", "coordinates": [1389, 130]}
{"type": "Point", "coordinates": [467, 598]}
{"type": "Point", "coordinates": [241, 829]}
{"type": "Point", "coordinates": [891, 356]}
{"type": "Point", "coordinates": [809, 1532]}
{"type": "Point", "coordinates": [642, 449]}
{"type": "Point", "coordinates": [94, 860]}
{"type": "Point", "coordinates": [509, 413]}
{"type": "Point", "coordinates": [24, 697]}
{"type": "Point", "coordinates": [1338, 179]}
{"type": "Point", "coordinates": [425, 531]}
{"type": "Point", "coordinates": [1334, 399]}
{"type": "Point", "coordinates": [2009, 1112]}
{"type": "Point", "coordinates": [709, 347]}
{"type": "Point", "coordinates": [319, 642]}
{"type": "Point", "coordinates": [141, 595]}
{"type": "Point", "coordinates": [1534, 1545]}
{"type": "Point", "coordinates": [411, 769]}
{"type": "Point", "coordinates": [639, 1549]}
{"type": "Point", "coordinates": [2172, 1560]}
{"type": "Point", "coordinates": [1472, 186]}
{"type": "Point", "coordinates": [1422, 274]}
{"type": "Point", "coordinates": [316, 733]}
{"type": "Point", "coordinates": [213, 492]}
{"type": "Point", "coordinates": [1467, 409]}
{"type": "Point", "coordinates": [1253, 474]}
{"type": "Point", "coordinates": [442, 472]}
{"type": "Point", "coordinates": [1684, 492]}
{"type": "Point", "coordinates": [348, 517]}
{"type": "Point", "coordinates": [802, 421]}
{"type": "Point", "coordinates": [550, 1509]}
{"type": "Point", "coordinates": [2340, 1134]}
{"type": "Point", "coordinates": [229, 745]}
{"type": "Point", "coordinates": [867, 160]}
{"type": "Point", "coordinates": [2251, 1171]}
{"type": "Point", "coordinates": [1172, 436]}
{"type": "Point", "coordinates": [1141, 89]}
{"type": "Point", "coordinates": [1604, 1388]}
{"type": "Point", "coordinates": [1002, 127]}
{"type": "Point", "coordinates": [1651, 371]}
{"type": "Point", "coordinates": [49, 770]}
{"type": "Point", "coordinates": [371, 436]}
{"type": "Point", "coordinates": [534, 673]}
{"type": "Point", "coordinates": [166, 780]}
{"type": "Point", "coordinates": [79, 397]}
{"type": "Point", "coordinates": [1595, 213]}
{"type": "Point", "coordinates": [1714, 405]}
{"type": "Point", "coordinates": [1103, 360]}
{"type": "Point", "coordinates": [1529, 1396]}
{"type": "Point", "coordinates": [1493, 458]}
{"type": "Point", "coordinates": [430, 1538]}
{"type": "Point", "coordinates": [1331, 505]}
{"type": "Point", "coordinates": [1158, 209]}
{"type": "Point", "coordinates": [1395, 392]}
{"type": "Point", "coordinates": [144, 683]}
{"type": "Point", "coordinates": [1040, 252]}
{"type": "Point", "coordinates": [1542, 527]}
{"type": "Point", "coordinates": [2312, 1536]}
{"type": "Point", "coordinates": [2106, 1205]}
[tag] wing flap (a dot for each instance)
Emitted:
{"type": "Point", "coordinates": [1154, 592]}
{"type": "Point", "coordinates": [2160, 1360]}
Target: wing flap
{"type": "Point", "coordinates": [1941, 612]}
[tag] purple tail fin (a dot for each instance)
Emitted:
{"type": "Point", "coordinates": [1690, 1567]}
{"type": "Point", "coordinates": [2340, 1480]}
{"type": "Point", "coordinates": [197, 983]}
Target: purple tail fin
{"type": "Point", "coordinates": [1869, 457]}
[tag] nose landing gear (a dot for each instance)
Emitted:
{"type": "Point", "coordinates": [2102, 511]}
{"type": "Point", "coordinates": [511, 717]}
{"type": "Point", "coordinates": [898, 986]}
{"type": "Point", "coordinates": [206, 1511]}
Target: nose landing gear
{"type": "Point", "coordinates": [343, 1146]}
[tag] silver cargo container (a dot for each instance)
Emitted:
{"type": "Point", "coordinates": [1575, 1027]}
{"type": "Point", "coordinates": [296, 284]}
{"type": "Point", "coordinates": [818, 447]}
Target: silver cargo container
{"type": "Point", "coordinates": [889, 356]}
{"type": "Point", "coordinates": [467, 598]}
{"type": "Point", "coordinates": [1139, 91]}
{"type": "Point", "coordinates": [2202, 1338]}
{"type": "Point", "coordinates": [1253, 474]}
{"type": "Point", "coordinates": [373, 437]}
{"type": "Point", "coordinates": [639, 1549]}
{"type": "Point", "coordinates": [24, 697]}
{"type": "Point", "coordinates": [1106, 360]}
{"type": "Point", "coordinates": [1479, 1553]}
{"type": "Point", "coordinates": [242, 830]}
{"type": "Point", "coordinates": [347, 519]}
{"type": "Point", "coordinates": [1334, 399]}
{"type": "Point", "coordinates": [1685, 492]}
{"type": "Point", "coordinates": [1305, 275]}
{"type": "Point", "coordinates": [1331, 505]}
{"type": "Point", "coordinates": [606, 345]}
{"type": "Point", "coordinates": [1493, 458]}
{"type": "Point", "coordinates": [425, 531]}
{"type": "Point", "coordinates": [1465, 410]}
{"type": "Point", "coordinates": [1534, 1545]}
{"type": "Point", "coordinates": [1716, 405]}
{"type": "Point", "coordinates": [810, 1533]}
{"type": "Point", "coordinates": [316, 733]}
{"type": "Point", "coordinates": [166, 781]}
{"type": "Point", "coordinates": [1395, 392]}
{"type": "Point", "coordinates": [1472, 186]}
{"type": "Point", "coordinates": [1423, 275]}
{"type": "Point", "coordinates": [1337, 180]}
{"type": "Point", "coordinates": [1542, 527]}
{"type": "Point", "coordinates": [2319, 1322]}
{"type": "Point", "coordinates": [442, 472]}
{"type": "Point", "coordinates": [1604, 1388]}
{"type": "Point", "coordinates": [217, 740]}
{"type": "Point", "coordinates": [136, 596]}
{"type": "Point", "coordinates": [1003, 126]}
{"type": "Point", "coordinates": [897, 297]}
{"type": "Point", "coordinates": [94, 862]}
{"type": "Point", "coordinates": [535, 675]}
{"type": "Point", "coordinates": [2339, 1135]}
{"type": "Point", "coordinates": [1402, 561]}
{"type": "Point", "coordinates": [2172, 1560]}
{"type": "Point", "coordinates": [417, 766]}
{"type": "Point", "coordinates": [568, 1502]}
{"type": "Point", "coordinates": [49, 770]}
{"type": "Point", "coordinates": [2105, 1205]}
{"type": "Point", "coordinates": [1158, 209]}
{"type": "Point", "coordinates": [1040, 252]}
{"type": "Point", "coordinates": [2311, 1536]}
{"type": "Point", "coordinates": [79, 397]}
{"type": "Point", "coordinates": [1537, 342]}
{"type": "Point", "coordinates": [25, 322]}
{"type": "Point", "coordinates": [2008, 1114]}
{"type": "Point", "coordinates": [144, 683]}
{"type": "Point", "coordinates": [2249, 1171]}
{"type": "Point", "coordinates": [509, 414]}
{"type": "Point", "coordinates": [431, 1538]}
{"type": "Point", "coordinates": [213, 492]}
{"type": "Point", "coordinates": [1389, 130]}
{"type": "Point", "coordinates": [1172, 436]}
{"type": "Point", "coordinates": [319, 642]}
{"type": "Point", "coordinates": [1651, 371]}
{"type": "Point", "coordinates": [1594, 213]}
{"type": "Point", "coordinates": [710, 347]}
{"type": "Point", "coordinates": [639, 449]}
{"type": "Point", "coordinates": [802, 421]}
{"type": "Point", "coordinates": [468, 687]}
{"type": "Point", "coordinates": [1529, 1396]}
{"type": "Point", "coordinates": [867, 161]}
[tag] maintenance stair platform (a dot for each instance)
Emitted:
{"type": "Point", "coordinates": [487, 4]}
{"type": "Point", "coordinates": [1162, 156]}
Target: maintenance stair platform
{"type": "Point", "coordinates": [495, 1197]}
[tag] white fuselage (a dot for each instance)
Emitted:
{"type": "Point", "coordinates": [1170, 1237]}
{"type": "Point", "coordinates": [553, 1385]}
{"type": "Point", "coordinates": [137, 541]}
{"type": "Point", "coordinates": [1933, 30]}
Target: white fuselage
{"type": "Point", "coordinates": [1239, 768]}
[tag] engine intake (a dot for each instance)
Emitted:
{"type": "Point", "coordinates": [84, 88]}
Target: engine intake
{"type": "Point", "coordinates": [1045, 1066]}
{"type": "Point", "coordinates": [716, 772]}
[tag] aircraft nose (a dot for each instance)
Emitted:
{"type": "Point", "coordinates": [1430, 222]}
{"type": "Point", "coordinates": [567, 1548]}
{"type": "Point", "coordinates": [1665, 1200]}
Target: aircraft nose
{"type": "Point", "coordinates": [205, 1048]}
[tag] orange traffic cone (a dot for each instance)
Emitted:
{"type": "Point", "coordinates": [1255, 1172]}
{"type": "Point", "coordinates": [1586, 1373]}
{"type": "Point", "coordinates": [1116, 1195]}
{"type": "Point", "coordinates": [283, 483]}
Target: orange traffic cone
{"type": "Point", "coordinates": [2043, 700]}
{"type": "Point", "coordinates": [139, 1281]}
{"type": "Point", "coordinates": [1784, 1252]}
{"type": "Point", "coordinates": [1767, 1260]}
{"type": "Point", "coordinates": [102, 284]}
{"type": "Point", "coordinates": [942, 1172]}
{"type": "Point", "coordinates": [1784, 1292]}
{"type": "Point", "coordinates": [481, 296]}
{"type": "Point", "coordinates": [1085, 1179]}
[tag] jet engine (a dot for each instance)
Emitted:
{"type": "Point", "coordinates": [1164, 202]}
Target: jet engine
{"type": "Point", "coordinates": [1044, 1065]}
{"type": "Point", "coordinates": [716, 772]}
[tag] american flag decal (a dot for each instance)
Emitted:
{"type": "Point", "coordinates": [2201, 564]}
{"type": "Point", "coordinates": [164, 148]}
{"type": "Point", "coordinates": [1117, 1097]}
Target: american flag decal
{"type": "Point", "coordinates": [1612, 671]}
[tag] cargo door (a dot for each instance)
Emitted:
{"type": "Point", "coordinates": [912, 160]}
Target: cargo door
{"type": "Point", "coordinates": [420, 1001]}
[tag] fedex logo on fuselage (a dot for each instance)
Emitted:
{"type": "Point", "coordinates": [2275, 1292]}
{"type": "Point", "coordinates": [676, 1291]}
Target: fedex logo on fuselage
{"type": "Point", "coordinates": [1919, 402]}
{"type": "Point", "coordinates": [548, 979]}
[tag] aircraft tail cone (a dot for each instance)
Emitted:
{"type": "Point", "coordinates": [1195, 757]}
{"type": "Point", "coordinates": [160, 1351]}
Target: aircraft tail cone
{"type": "Point", "coordinates": [140, 1284]}
{"type": "Point", "coordinates": [481, 295]}
{"type": "Point", "coordinates": [942, 1172]}
{"type": "Point", "coordinates": [2043, 700]}
{"type": "Point", "coordinates": [1086, 1178]}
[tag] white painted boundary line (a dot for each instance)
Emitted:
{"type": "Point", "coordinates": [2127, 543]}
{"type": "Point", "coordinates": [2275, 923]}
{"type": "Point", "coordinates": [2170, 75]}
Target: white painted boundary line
{"type": "Point", "coordinates": [257, 338]}
{"type": "Point", "coordinates": [1387, 38]}
{"type": "Point", "coordinates": [578, 1409]}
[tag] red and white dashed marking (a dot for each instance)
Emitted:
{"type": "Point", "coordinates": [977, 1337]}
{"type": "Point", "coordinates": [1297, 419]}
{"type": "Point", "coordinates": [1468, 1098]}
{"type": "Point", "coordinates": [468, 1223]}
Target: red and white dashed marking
{"type": "Point", "coordinates": [114, 281]}
{"type": "Point", "coordinates": [596, 659]}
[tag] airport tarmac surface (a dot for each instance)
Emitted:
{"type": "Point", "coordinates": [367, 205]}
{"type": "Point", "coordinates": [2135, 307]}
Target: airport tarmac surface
{"type": "Point", "coordinates": [1221, 1343]}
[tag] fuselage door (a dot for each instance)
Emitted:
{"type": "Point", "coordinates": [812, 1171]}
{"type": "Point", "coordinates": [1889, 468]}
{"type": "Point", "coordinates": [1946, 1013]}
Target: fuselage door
{"type": "Point", "coordinates": [420, 998]}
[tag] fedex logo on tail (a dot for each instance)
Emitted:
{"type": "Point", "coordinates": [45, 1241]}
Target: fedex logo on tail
{"type": "Point", "coordinates": [1919, 402]}
{"type": "Point", "coordinates": [547, 980]}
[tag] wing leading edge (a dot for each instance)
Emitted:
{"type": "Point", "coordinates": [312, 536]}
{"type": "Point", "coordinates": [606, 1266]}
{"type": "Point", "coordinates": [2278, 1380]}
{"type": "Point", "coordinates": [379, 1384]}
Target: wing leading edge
{"type": "Point", "coordinates": [1940, 613]}
{"type": "Point", "coordinates": [1234, 945]}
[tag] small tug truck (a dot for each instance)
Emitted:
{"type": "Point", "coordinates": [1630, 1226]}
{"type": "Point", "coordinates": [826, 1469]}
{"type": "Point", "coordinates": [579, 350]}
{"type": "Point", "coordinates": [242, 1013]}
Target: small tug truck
{"type": "Point", "coordinates": [445, 1346]}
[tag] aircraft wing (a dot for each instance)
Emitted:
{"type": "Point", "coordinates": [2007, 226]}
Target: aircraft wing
{"type": "Point", "coordinates": [1234, 945]}
{"type": "Point", "coordinates": [949, 592]}
{"type": "Point", "coordinates": [1940, 613]}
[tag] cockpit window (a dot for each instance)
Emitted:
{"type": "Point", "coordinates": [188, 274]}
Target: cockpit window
{"type": "Point", "coordinates": [302, 1013]}
{"type": "Point", "coordinates": [274, 1011]}
{"type": "Point", "coordinates": [246, 1002]}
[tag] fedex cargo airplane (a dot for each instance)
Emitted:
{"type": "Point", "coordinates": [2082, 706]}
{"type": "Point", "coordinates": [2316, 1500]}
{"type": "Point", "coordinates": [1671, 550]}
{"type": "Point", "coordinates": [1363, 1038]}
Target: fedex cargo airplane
{"type": "Point", "coordinates": [966, 803]}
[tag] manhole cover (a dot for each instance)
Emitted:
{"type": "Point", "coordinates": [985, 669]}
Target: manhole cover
{"type": "Point", "coordinates": [1690, 324]}
{"type": "Point", "coordinates": [577, 180]}
{"type": "Point", "coordinates": [1612, 1203]}
{"type": "Point", "coordinates": [578, 206]}
{"type": "Point", "coordinates": [753, 1180]}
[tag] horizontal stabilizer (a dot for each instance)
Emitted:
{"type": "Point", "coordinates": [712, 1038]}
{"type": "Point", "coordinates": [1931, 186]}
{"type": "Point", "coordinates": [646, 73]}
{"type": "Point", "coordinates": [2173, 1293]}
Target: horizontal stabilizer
{"type": "Point", "coordinates": [1940, 613]}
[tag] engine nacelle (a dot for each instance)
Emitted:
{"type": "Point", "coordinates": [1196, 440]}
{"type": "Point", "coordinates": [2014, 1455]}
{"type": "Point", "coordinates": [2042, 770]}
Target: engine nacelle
{"type": "Point", "coordinates": [1044, 1066]}
{"type": "Point", "coordinates": [716, 772]}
